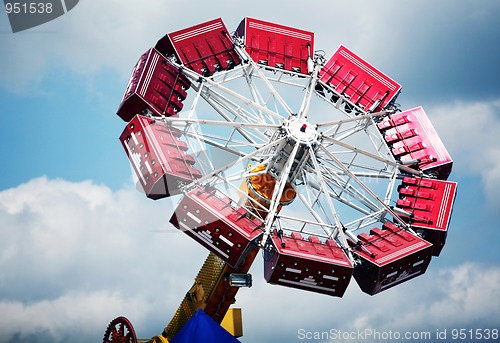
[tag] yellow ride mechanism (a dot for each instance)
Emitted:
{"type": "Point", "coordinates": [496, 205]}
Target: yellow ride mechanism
{"type": "Point", "coordinates": [260, 188]}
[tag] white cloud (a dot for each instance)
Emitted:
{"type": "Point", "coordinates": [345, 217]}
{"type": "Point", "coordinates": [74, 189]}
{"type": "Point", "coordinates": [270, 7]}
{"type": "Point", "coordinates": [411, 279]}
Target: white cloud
{"type": "Point", "coordinates": [465, 299]}
{"type": "Point", "coordinates": [79, 253]}
{"type": "Point", "coordinates": [68, 316]}
{"type": "Point", "coordinates": [469, 131]}
{"type": "Point", "coordinates": [88, 39]}
{"type": "Point", "coordinates": [458, 297]}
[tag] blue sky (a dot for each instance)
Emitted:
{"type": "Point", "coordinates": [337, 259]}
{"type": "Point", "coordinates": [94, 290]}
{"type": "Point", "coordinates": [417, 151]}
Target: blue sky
{"type": "Point", "coordinates": [79, 246]}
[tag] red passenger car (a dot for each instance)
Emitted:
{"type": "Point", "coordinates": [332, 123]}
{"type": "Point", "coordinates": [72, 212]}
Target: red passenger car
{"type": "Point", "coordinates": [214, 221]}
{"type": "Point", "coordinates": [204, 48]}
{"type": "Point", "coordinates": [389, 257]}
{"type": "Point", "coordinates": [307, 264]}
{"type": "Point", "coordinates": [155, 85]}
{"type": "Point", "coordinates": [429, 203]}
{"type": "Point", "coordinates": [413, 140]}
{"type": "Point", "coordinates": [276, 45]}
{"type": "Point", "coordinates": [158, 156]}
{"type": "Point", "coordinates": [360, 82]}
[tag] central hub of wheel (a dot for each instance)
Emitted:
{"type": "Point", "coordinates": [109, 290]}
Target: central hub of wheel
{"type": "Point", "coordinates": [286, 165]}
{"type": "Point", "coordinates": [293, 152]}
{"type": "Point", "coordinates": [301, 130]}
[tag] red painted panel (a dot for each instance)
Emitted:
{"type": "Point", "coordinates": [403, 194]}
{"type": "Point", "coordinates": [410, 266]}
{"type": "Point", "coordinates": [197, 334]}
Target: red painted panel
{"type": "Point", "coordinates": [358, 80]}
{"type": "Point", "coordinates": [212, 220]}
{"type": "Point", "coordinates": [412, 137]}
{"type": "Point", "coordinates": [389, 257]}
{"type": "Point", "coordinates": [277, 45]}
{"type": "Point", "coordinates": [308, 264]}
{"type": "Point", "coordinates": [430, 203]}
{"type": "Point", "coordinates": [204, 48]}
{"type": "Point", "coordinates": [158, 157]}
{"type": "Point", "coordinates": [156, 85]}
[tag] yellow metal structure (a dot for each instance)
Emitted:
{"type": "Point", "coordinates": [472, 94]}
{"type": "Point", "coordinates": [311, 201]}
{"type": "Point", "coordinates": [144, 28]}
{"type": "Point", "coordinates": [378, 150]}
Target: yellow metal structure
{"type": "Point", "coordinates": [232, 322]}
{"type": "Point", "coordinates": [156, 339]}
{"type": "Point", "coordinates": [260, 188]}
{"type": "Point", "coordinates": [206, 280]}
{"type": "Point", "coordinates": [211, 291]}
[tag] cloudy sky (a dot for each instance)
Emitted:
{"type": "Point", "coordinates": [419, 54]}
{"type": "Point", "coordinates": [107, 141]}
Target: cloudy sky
{"type": "Point", "coordinates": [79, 246]}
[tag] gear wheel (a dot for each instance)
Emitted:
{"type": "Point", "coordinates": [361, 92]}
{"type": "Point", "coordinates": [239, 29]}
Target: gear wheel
{"type": "Point", "coordinates": [120, 330]}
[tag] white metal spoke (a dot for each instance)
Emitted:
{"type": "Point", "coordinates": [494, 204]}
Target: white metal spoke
{"type": "Point", "coordinates": [325, 191]}
{"type": "Point", "coordinates": [331, 228]}
{"type": "Point", "coordinates": [224, 109]}
{"type": "Point", "coordinates": [232, 93]}
{"type": "Point", "coordinates": [366, 188]}
{"type": "Point", "coordinates": [251, 138]}
{"type": "Point", "coordinates": [278, 190]}
{"type": "Point", "coordinates": [241, 159]}
{"type": "Point", "coordinates": [352, 119]}
{"type": "Point", "coordinates": [273, 91]}
{"type": "Point", "coordinates": [363, 222]}
{"type": "Point", "coordinates": [305, 221]}
{"type": "Point", "coordinates": [194, 105]}
{"type": "Point", "coordinates": [344, 186]}
{"type": "Point", "coordinates": [227, 143]}
{"type": "Point", "coordinates": [304, 110]}
{"type": "Point", "coordinates": [257, 95]}
{"type": "Point", "coordinates": [238, 110]}
{"type": "Point", "coordinates": [219, 123]}
{"type": "Point", "coordinates": [371, 155]}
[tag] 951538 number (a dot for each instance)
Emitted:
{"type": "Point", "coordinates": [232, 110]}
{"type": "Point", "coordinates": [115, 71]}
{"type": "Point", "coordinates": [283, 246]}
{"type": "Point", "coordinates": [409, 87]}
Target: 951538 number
{"type": "Point", "coordinates": [474, 334]}
{"type": "Point", "coordinates": [28, 8]}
